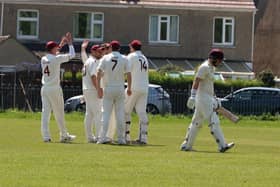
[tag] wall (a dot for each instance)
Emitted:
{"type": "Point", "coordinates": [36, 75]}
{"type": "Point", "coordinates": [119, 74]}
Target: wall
{"type": "Point", "coordinates": [126, 24]}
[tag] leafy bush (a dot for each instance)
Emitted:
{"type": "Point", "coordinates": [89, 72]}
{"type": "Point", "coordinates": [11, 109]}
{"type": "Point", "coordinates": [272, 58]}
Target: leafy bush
{"type": "Point", "coordinates": [185, 82]}
{"type": "Point", "coordinates": [79, 76]}
{"type": "Point", "coordinates": [170, 82]}
{"type": "Point", "coordinates": [170, 68]}
{"type": "Point", "coordinates": [267, 78]}
{"type": "Point", "coordinates": [68, 76]}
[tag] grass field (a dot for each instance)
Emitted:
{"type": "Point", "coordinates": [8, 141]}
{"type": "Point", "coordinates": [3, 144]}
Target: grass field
{"type": "Point", "coordinates": [26, 161]}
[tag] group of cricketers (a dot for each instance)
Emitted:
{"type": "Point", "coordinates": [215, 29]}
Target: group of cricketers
{"type": "Point", "coordinates": [104, 73]}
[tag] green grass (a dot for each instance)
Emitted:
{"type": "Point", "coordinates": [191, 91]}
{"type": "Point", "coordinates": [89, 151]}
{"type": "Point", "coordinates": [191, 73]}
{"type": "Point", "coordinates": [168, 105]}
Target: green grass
{"type": "Point", "coordinates": [26, 161]}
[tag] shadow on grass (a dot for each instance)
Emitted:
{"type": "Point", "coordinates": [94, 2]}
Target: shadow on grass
{"type": "Point", "coordinates": [195, 151]}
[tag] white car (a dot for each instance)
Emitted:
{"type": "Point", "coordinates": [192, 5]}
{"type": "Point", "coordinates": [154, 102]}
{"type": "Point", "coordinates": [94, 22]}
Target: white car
{"type": "Point", "coordinates": [158, 101]}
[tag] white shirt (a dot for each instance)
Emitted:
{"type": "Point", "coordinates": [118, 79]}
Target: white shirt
{"type": "Point", "coordinates": [89, 69]}
{"type": "Point", "coordinates": [139, 71]}
{"type": "Point", "coordinates": [114, 66]}
{"type": "Point", "coordinates": [51, 67]}
{"type": "Point", "coordinates": [206, 73]}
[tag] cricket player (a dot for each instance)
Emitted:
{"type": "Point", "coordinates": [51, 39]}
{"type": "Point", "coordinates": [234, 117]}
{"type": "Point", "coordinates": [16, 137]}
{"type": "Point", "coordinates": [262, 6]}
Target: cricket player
{"type": "Point", "coordinates": [93, 102]}
{"type": "Point", "coordinates": [106, 48]}
{"type": "Point", "coordinates": [139, 86]}
{"type": "Point", "coordinates": [114, 66]}
{"type": "Point", "coordinates": [51, 92]}
{"type": "Point", "coordinates": [202, 98]}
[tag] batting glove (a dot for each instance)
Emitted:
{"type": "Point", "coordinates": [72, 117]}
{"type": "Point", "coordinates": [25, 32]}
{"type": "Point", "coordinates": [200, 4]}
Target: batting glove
{"type": "Point", "coordinates": [191, 100]}
{"type": "Point", "coordinates": [217, 103]}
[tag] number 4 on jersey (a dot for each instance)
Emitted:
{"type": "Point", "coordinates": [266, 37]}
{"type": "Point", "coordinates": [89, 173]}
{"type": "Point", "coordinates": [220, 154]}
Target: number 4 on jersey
{"type": "Point", "coordinates": [46, 70]}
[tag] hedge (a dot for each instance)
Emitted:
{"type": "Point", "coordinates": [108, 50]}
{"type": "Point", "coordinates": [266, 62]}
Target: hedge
{"type": "Point", "coordinates": [182, 82]}
{"type": "Point", "coordinates": [185, 82]}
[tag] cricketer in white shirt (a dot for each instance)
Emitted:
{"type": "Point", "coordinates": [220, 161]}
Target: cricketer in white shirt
{"type": "Point", "coordinates": [93, 113]}
{"type": "Point", "coordinates": [51, 92]}
{"type": "Point", "coordinates": [139, 86]}
{"type": "Point", "coordinates": [114, 66]}
{"type": "Point", "coordinates": [202, 97]}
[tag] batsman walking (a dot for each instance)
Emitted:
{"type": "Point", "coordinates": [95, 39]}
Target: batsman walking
{"type": "Point", "coordinates": [202, 98]}
{"type": "Point", "coordinates": [51, 92]}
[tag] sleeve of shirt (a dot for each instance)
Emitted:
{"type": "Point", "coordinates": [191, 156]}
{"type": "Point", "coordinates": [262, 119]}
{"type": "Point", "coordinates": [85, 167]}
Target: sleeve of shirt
{"type": "Point", "coordinates": [66, 57]}
{"type": "Point", "coordinates": [62, 58]}
{"type": "Point", "coordinates": [84, 56]}
{"type": "Point", "coordinates": [72, 53]}
{"type": "Point", "coordinates": [127, 65]}
{"type": "Point", "coordinates": [92, 68]}
{"type": "Point", "coordinates": [101, 65]}
{"type": "Point", "coordinates": [202, 72]}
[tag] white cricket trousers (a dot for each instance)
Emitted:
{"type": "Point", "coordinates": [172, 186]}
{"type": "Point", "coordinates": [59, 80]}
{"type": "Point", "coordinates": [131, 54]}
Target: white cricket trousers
{"type": "Point", "coordinates": [205, 111]}
{"type": "Point", "coordinates": [93, 114]}
{"type": "Point", "coordinates": [52, 100]}
{"type": "Point", "coordinates": [137, 100]}
{"type": "Point", "coordinates": [113, 97]}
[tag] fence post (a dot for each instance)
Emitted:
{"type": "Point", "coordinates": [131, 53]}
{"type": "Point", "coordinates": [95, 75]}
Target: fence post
{"type": "Point", "coordinates": [2, 91]}
{"type": "Point", "coordinates": [15, 84]}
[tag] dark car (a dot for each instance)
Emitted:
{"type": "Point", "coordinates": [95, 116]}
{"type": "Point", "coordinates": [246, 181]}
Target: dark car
{"type": "Point", "coordinates": [253, 101]}
{"type": "Point", "coordinates": [158, 101]}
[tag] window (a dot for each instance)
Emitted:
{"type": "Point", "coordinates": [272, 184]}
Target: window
{"type": "Point", "coordinates": [223, 31]}
{"type": "Point", "coordinates": [244, 95]}
{"type": "Point", "coordinates": [88, 26]}
{"type": "Point", "coordinates": [28, 24]}
{"type": "Point", "coordinates": [164, 29]}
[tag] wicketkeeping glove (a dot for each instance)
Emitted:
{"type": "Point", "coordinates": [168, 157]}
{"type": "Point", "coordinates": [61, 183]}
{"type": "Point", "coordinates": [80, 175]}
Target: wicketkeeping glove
{"type": "Point", "coordinates": [191, 100]}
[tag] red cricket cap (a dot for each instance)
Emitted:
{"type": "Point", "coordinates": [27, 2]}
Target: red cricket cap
{"type": "Point", "coordinates": [95, 47]}
{"type": "Point", "coordinates": [216, 54]}
{"type": "Point", "coordinates": [51, 44]}
{"type": "Point", "coordinates": [115, 44]}
{"type": "Point", "coordinates": [135, 43]}
{"type": "Point", "coordinates": [105, 45]}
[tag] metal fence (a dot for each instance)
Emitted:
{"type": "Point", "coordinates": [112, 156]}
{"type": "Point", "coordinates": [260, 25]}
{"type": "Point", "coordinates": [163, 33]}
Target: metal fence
{"type": "Point", "coordinates": [12, 96]}
{"type": "Point", "coordinates": [179, 99]}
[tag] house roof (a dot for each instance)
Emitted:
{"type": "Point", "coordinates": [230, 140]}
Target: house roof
{"type": "Point", "coordinates": [237, 5]}
{"type": "Point", "coordinates": [10, 46]}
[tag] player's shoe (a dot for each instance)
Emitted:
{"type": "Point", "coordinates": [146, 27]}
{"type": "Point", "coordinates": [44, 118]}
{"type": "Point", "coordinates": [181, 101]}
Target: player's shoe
{"type": "Point", "coordinates": [184, 147]}
{"type": "Point", "coordinates": [47, 140]}
{"type": "Point", "coordinates": [92, 140]}
{"type": "Point", "coordinates": [122, 142]}
{"type": "Point", "coordinates": [105, 140]}
{"type": "Point", "coordinates": [227, 147]}
{"type": "Point", "coordinates": [127, 138]}
{"type": "Point", "coordinates": [68, 138]}
{"type": "Point", "coordinates": [140, 142]}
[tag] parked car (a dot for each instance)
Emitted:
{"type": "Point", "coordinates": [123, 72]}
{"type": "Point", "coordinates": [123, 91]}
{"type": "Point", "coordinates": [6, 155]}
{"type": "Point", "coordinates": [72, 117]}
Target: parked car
{"type": "Point", "coordinates": [253, 101]}
{"type": "Point", "coordinates": [158, 101]}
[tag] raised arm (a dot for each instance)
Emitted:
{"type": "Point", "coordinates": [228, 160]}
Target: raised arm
{"type": "Point", "coordinates": [70, 44]}
{"type": "Point", "coordinates": [83, 51]}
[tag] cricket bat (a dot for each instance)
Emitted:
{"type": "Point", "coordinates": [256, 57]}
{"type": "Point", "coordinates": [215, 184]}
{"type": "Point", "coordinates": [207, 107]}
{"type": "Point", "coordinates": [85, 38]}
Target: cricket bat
{"type": "Point", "coordinates": [226, 113]}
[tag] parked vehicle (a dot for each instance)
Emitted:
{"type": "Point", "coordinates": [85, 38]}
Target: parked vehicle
{"type": "Point", "coordinates": [253, 101]}
{"type": "Point", "coordinates": [158, 101]}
